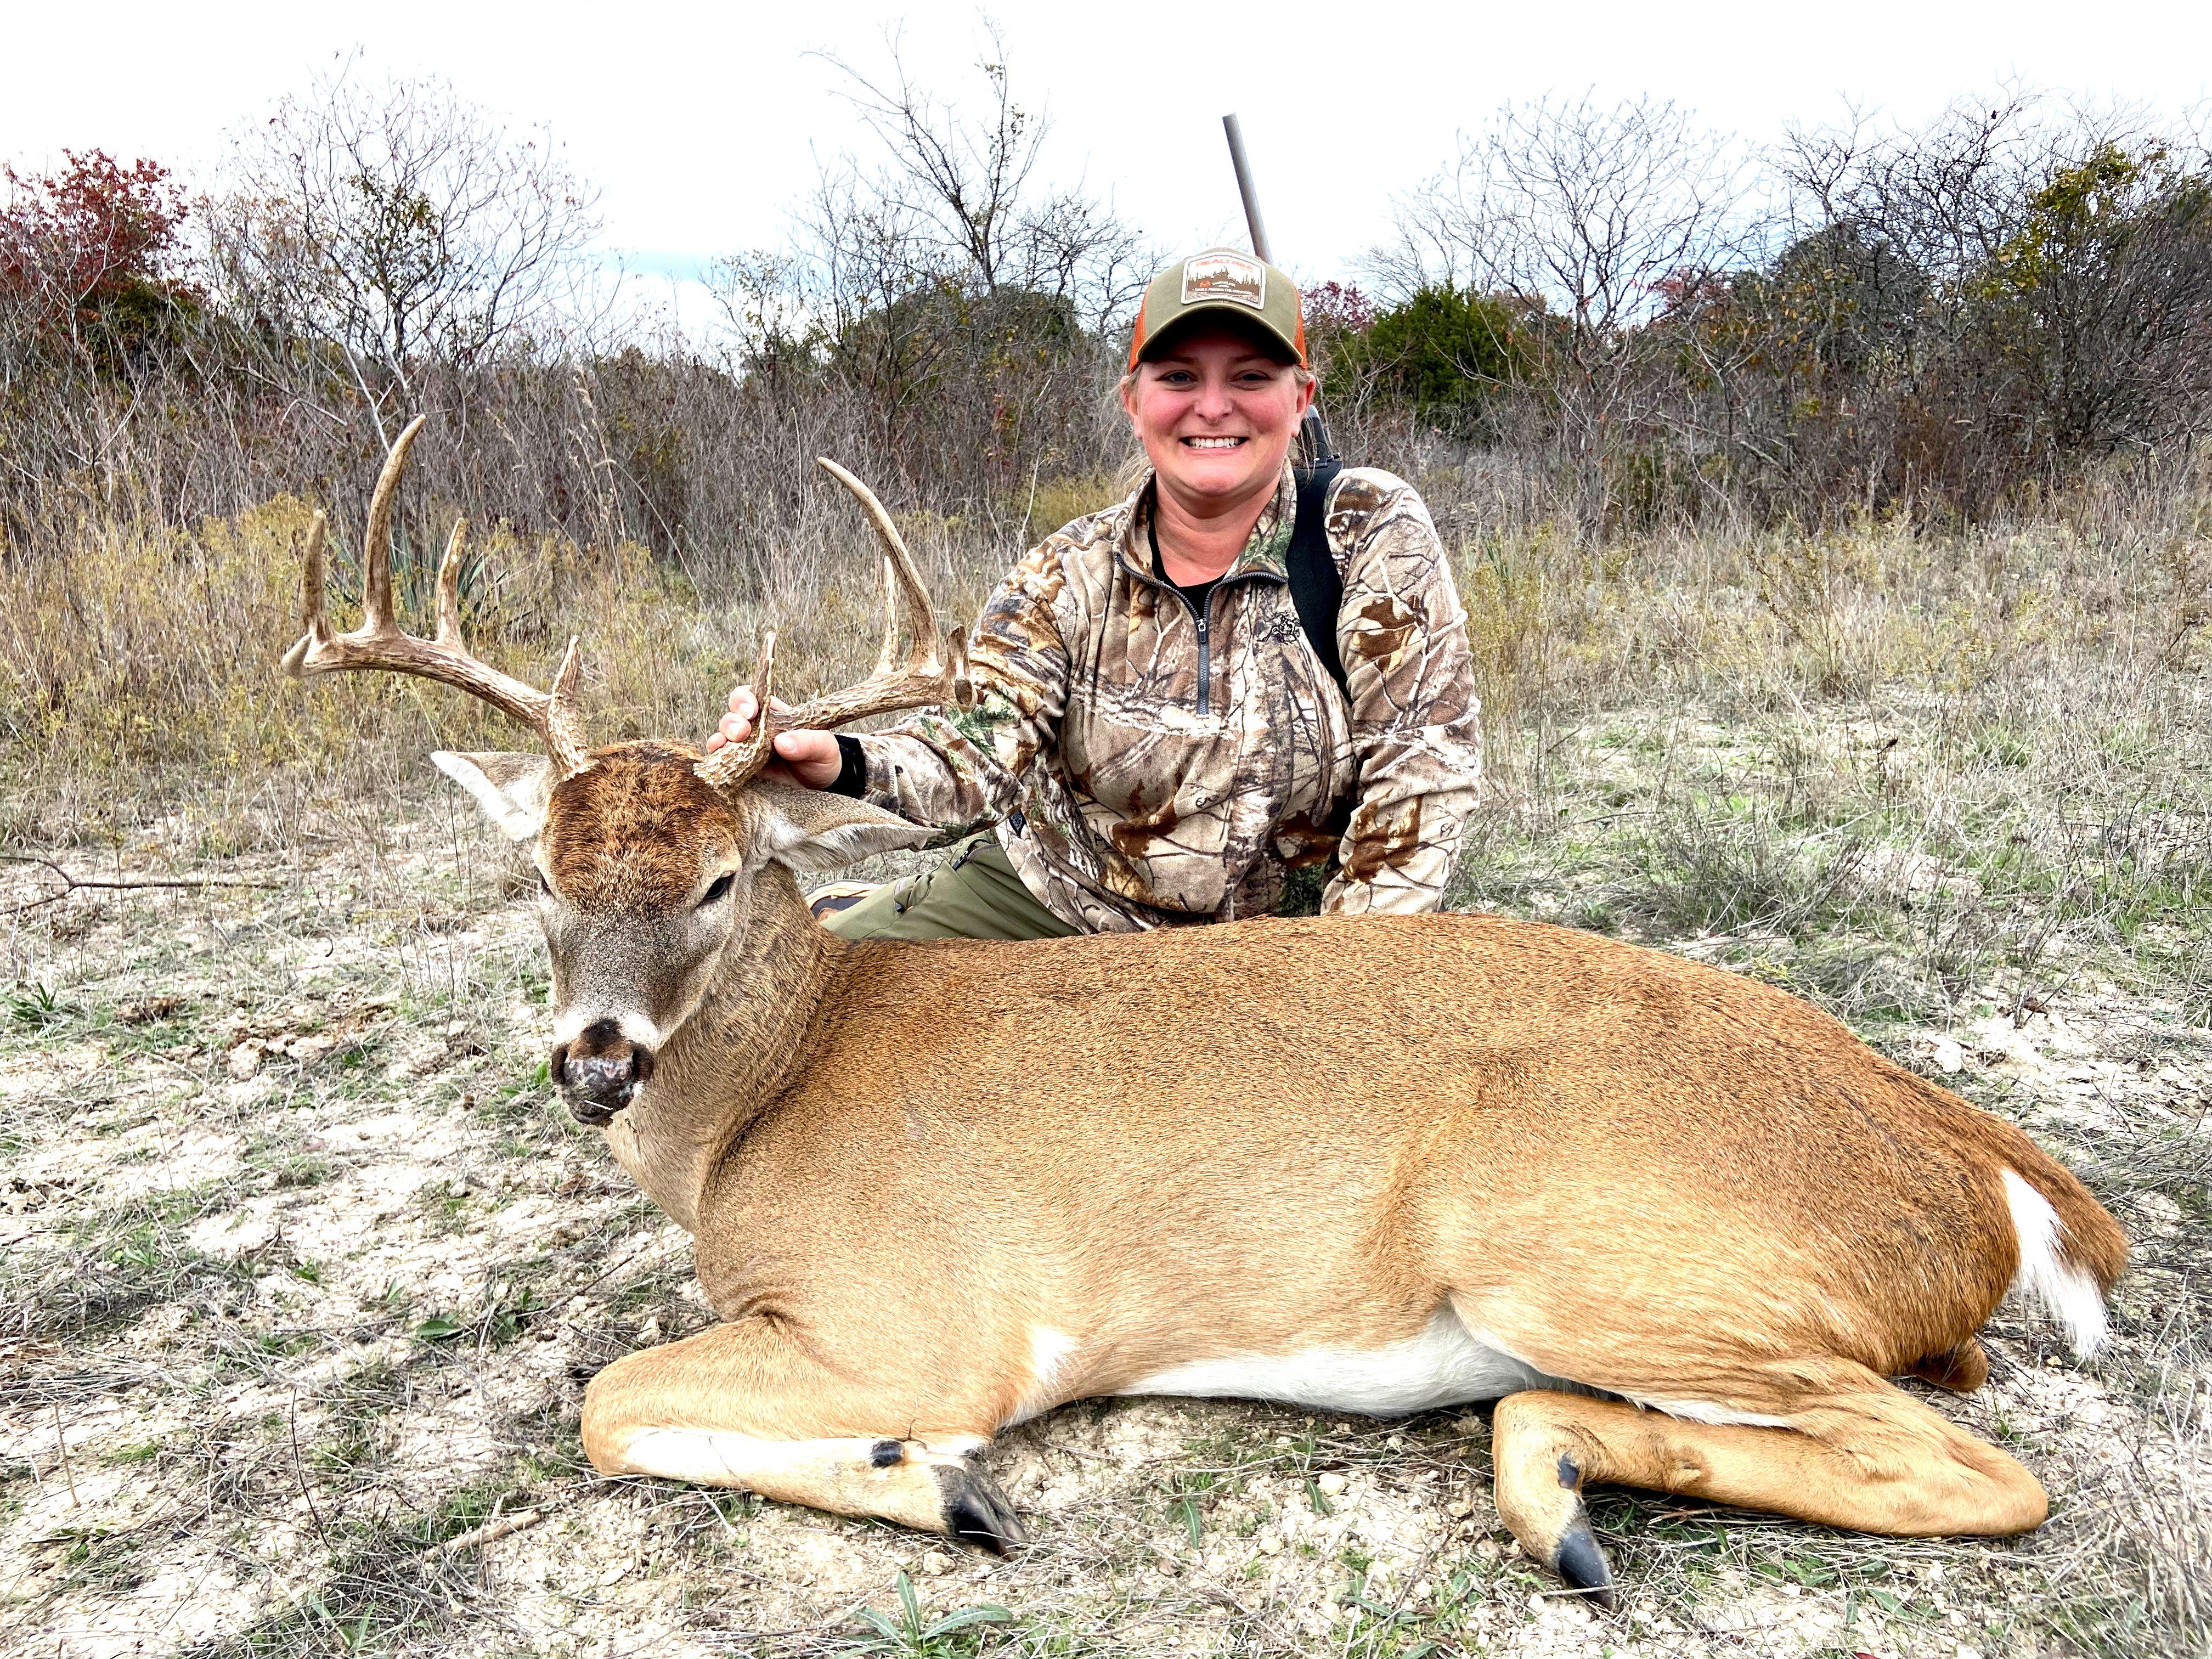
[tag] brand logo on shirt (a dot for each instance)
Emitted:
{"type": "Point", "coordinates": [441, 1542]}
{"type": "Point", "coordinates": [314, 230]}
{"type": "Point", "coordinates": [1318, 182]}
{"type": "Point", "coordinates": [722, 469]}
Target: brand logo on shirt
{"type": "Point", "coordinates": [1225, 276]}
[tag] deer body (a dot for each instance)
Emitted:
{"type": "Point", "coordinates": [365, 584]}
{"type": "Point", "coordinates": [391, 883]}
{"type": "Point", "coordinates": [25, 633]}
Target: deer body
{"type": "Point", "coordinates": [1378, 1165]}
{"type": "Point", "coordinates": [1145, 1156]}
{"type": "Point", "coordinates": [1680, 1226]}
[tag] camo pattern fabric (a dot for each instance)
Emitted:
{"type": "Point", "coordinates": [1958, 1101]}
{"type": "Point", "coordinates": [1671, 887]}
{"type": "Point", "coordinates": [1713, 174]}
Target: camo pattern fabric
{"type": "Point", "coordinates": [1141, 776]}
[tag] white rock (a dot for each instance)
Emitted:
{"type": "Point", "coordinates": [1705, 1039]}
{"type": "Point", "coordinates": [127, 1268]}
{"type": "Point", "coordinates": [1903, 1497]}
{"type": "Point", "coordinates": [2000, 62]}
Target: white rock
{"type": "Point", "coordinates": [1331, 1483]}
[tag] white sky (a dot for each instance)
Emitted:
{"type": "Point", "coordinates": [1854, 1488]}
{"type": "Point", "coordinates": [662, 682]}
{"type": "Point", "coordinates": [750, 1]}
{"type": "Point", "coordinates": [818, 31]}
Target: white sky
{"type": "Point", "coordinates": [700, 124]}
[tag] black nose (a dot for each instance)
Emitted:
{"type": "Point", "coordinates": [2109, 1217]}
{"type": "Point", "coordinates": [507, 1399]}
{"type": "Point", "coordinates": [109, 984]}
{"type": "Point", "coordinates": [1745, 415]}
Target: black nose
{"type": "Point", "coordinates": [599, 1072]}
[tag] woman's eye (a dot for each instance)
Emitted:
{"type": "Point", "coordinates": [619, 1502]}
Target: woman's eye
{"type": "Point", "coordinates": [719, 891]}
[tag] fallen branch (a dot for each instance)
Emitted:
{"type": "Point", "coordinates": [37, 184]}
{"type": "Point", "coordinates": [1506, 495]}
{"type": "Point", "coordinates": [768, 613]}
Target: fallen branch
{"type": "Point", "coordinates": [490, 1533]}
{"type": "Point", "coordinates": [76, 884]}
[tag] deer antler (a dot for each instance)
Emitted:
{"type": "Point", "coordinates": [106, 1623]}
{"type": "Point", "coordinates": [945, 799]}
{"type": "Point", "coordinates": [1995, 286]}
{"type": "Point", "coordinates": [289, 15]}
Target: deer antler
{"type": "Point", "coordinates": [378, 642]}
{"type": "Point", "coordinates": [926, 677]}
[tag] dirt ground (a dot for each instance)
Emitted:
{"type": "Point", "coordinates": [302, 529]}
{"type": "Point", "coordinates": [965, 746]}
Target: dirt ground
{"type": "Point", "coordinates": [305, 1269]}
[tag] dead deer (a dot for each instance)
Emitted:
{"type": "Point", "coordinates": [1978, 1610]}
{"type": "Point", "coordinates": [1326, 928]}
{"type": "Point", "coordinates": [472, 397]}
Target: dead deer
{"type": "Point", "coordinates": [1682, 1227]}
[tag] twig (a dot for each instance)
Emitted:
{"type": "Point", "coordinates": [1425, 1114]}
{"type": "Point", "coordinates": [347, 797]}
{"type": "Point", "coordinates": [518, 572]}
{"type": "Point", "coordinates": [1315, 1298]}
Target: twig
{"type": "Point", "coordinates": [77, 883]}
{"type": "Point", "coordinates": [62, 1441]}
{"type": "Point", "coordinates": [490, 1533]}
{"type": "Point", "coordinates": [299, 1474]}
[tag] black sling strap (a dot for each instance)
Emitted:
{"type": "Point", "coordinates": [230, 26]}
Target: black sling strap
{"type": "Point", "coordinates": [1316, 589]}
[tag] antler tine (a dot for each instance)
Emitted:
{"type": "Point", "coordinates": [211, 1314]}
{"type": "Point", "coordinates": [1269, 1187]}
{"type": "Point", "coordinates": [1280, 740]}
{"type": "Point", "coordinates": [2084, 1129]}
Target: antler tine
{"type": "Point", "coordinates": [564, 728]}
{"type": "Point", "coordinates": [964, 688]}
{"type": "Point", "coordinates": [887, 659]}
{"type": "Point", "coordinates": [315, 624]}
{"type": "Point", "coordinates": [449, 587]}
{"type": "Point", "coordinates": [379, 642]}
{"type": "Point", "coordinates": [932, 672]}
{"type": "Point", "coordinates": [739, 763]}
{"type": "Point", "coordinates": [902, 575]}
{"type": "Point", "coordinates": [376, 548]}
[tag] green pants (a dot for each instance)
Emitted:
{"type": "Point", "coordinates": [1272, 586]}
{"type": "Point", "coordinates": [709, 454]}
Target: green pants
{"type": "Point", "coordinates": [976, 896]}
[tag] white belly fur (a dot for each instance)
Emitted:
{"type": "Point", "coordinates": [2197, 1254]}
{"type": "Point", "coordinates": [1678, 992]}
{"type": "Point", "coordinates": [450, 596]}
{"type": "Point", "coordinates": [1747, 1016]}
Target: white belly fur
{"type": "Point", "coordinates": [1445, 1365]}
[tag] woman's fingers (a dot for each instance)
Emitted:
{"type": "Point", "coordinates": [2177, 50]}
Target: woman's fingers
{"type": "Point", "coordinates": [745, 709]}
{"type": "Point", "coordinates": [811, 757]}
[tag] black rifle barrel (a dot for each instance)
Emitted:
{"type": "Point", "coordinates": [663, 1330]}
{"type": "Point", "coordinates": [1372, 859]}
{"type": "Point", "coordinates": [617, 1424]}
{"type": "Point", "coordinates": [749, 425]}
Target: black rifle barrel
{"type": "Point", "coordinates": [1244, 187]}
{"type": "Point", "coordinates": [1314, 440]}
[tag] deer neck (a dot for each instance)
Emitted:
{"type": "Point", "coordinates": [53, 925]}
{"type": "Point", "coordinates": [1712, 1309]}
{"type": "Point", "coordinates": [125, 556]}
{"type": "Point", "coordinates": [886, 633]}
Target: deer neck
{"type": "Point", "coordinates": [750, 1035]}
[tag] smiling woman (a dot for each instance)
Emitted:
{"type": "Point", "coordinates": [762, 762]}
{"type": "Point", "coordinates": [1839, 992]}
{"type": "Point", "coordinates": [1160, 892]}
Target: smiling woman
{"type": "Point", "coordinates": [1154, 738]}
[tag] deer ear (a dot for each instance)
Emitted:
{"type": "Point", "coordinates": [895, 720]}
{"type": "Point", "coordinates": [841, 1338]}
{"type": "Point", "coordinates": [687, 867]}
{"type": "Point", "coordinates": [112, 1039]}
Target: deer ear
{"type": "Point", "coordinates": [812, 830]}
{"type": "Point", "coordinates": [513, 789]}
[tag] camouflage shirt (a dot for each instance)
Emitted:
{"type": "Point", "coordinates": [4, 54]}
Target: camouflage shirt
{"type": "Point", "coordinates": [1147, 767]}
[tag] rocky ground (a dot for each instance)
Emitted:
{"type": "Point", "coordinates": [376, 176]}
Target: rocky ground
{"type": "Point", "coordinates": [304, 1268]}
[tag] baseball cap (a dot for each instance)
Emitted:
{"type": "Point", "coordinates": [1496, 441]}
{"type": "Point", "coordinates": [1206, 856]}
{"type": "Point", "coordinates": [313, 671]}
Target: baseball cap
{"type": "Point", "coordinates": [1220, 280]}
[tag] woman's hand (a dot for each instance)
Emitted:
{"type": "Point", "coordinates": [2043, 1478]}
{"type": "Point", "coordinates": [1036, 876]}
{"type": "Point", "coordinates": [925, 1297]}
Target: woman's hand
{"type": "Point", "coordinates": [808, 757]}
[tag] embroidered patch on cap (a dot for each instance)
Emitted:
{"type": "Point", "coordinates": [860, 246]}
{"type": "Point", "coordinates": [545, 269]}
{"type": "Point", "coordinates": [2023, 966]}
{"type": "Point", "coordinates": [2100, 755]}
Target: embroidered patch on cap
{"type": "Point", "coordinates": [1225, 276]}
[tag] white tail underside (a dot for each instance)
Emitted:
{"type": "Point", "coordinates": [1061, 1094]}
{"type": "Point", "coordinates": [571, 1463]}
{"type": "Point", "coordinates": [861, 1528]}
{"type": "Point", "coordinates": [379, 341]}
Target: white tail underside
{"type": "Point", "coordinates": [2067, 1293]}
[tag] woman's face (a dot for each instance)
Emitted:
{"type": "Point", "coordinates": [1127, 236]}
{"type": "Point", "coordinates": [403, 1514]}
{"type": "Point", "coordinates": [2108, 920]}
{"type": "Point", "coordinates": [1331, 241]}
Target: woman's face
{"type": "Point", "coordinates": [1216, 413]}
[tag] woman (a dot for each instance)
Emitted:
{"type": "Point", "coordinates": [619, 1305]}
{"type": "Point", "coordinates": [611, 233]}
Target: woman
{"type": "Point", "coordinates": [1154, 738]}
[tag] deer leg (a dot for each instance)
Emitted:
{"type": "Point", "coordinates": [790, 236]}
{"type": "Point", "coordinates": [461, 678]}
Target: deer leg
{"type": "Point", "coordinates": [740, 1404]}
{"type": "Point", "coordinates": [1867, 1457]}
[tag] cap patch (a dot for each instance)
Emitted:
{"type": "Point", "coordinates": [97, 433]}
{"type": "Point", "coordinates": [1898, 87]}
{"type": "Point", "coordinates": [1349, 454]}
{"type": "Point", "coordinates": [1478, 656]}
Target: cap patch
{"type": "Point", "coordinates": [1225, 276]}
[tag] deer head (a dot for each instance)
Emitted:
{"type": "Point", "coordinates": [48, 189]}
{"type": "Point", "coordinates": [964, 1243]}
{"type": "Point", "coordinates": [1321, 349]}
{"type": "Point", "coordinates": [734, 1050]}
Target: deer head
{"type": "Point", "coordinates": [649, 855]}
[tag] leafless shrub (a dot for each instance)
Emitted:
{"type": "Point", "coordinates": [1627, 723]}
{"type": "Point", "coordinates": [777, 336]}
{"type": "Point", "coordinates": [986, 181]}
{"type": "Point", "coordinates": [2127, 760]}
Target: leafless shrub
{"type": "Point", "coordinates": [383, 227]}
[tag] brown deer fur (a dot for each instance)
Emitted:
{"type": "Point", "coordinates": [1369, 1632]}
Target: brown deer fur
{"type": "Point", "coordinates": [937, 1188]}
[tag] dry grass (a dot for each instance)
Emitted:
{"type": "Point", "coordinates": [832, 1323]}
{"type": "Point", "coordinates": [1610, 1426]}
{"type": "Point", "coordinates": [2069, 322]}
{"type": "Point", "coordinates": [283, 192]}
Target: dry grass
{"type": "Point", "coordinates": [304, 1267]}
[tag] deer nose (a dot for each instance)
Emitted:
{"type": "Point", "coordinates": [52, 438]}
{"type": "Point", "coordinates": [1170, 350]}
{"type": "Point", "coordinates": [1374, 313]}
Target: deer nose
{"type": "Point", "coordinates": [599, 1072]}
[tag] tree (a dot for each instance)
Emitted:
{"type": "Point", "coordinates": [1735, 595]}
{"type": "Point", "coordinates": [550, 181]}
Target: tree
{"type": "Point", "coordinates": [1443, 354]}
{"type": "Point", "coordinates": [1584, 213]}
{"type": "Point", "coordinates": [395, 227]}
{"type": "Point", "coordinates": [86, 256]}
{"type": "Point", "coordinates": [956, 199]}
{"type": "Point", "coordinates": [2099, 306]}
{"type": "Point", "coordinates": [968, 304]}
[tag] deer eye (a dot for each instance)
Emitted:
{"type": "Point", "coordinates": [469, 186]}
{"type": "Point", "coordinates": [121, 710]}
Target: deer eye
{"type": "Point", "coordinates": [719, 891]}
{"type": "Point", "coordinates": [544, 886]}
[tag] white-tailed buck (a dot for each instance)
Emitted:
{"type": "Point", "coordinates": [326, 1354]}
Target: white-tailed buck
{"type": "Point", "coordinates": [1682, 1227]}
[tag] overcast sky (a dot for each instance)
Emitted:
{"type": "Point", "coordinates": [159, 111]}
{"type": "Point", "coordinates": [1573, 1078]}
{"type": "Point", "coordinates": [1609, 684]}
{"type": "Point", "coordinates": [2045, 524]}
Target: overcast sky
{"type": "Point", "coordinates": [702, 124]}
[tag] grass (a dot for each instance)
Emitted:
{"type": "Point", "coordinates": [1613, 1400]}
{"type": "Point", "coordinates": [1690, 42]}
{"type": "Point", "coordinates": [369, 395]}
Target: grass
{"type": "Point", "coordinates": [301, 1321]}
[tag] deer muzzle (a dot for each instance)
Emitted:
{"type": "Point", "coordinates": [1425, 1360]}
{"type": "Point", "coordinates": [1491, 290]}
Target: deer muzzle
{"type": "Point", "coordinates": [599, 1072]}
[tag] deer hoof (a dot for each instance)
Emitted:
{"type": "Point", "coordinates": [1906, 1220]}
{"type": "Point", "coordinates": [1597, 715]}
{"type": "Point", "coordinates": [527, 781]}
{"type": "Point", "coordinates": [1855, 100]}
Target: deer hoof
{"type": "Point", "coordinates": [1582, 1564]}
{"type": "Point", "coordinates": [977, 1512]}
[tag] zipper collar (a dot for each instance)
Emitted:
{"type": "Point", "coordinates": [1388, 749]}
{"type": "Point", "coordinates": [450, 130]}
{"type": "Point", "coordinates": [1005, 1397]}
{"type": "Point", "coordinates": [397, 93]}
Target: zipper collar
{"type": "Point", "coordinates": [1266, 550]}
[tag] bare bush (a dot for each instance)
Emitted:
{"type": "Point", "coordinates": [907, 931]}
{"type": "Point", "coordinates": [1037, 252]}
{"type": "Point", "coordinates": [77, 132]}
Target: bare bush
{"type": "Point", "coordinates": [390, 226]}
